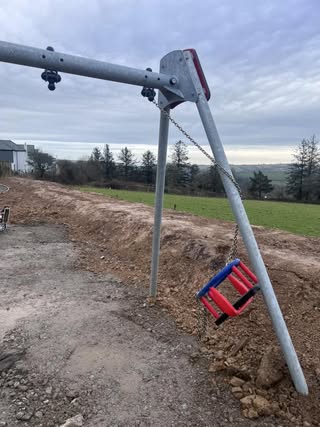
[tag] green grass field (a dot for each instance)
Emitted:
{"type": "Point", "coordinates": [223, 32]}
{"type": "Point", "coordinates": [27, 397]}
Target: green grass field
{"type": "Point", "coordinates": [293, 217]}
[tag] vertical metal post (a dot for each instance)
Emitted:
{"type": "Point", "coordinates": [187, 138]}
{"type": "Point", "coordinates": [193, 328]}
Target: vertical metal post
{"type": "Point", "coordinates": [160, 183]}
{"type": "Point", "coordinates": [251, 245]}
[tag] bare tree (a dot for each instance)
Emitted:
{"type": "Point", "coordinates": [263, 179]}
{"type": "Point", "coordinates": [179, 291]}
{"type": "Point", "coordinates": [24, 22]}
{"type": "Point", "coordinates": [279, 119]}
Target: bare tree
{"type": "Point", "coordinates": [40, 162]}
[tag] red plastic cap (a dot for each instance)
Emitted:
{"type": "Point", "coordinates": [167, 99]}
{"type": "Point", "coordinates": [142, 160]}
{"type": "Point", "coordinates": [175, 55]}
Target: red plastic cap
{"type": "Point", "coordinates": [200, 72]}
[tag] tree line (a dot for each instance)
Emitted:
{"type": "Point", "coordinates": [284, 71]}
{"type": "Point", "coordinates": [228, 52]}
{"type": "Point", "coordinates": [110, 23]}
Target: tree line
{"type": "Point", "coordinates": [124, 172]}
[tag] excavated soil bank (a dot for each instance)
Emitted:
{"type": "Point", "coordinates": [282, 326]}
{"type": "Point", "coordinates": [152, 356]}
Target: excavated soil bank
{"type": "Point", "coordinates": [115, 237]}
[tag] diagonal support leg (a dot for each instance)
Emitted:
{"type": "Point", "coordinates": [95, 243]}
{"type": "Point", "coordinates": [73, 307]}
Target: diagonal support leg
{"type": "Point", "coordinates": [249, 240]}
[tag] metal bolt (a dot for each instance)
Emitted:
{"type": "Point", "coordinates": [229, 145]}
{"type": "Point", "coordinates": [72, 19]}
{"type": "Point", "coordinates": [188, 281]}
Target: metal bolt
{"type": "Point", "coordinates": [173, 81]}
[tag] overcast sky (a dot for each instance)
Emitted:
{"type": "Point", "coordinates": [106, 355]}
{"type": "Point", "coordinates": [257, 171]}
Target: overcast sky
{"type": "Point", "coordinates": [261, 60]}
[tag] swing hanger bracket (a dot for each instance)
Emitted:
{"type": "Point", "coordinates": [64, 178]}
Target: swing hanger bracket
{"type": "Point", "coordinates": [52, 77]}
{"type": "Point", "coordinates": [182, 87]}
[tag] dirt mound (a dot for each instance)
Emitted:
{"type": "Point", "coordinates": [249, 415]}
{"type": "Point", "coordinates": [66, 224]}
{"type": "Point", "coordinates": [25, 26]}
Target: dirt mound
{"type": "Point", "coordinates": [116, 237]}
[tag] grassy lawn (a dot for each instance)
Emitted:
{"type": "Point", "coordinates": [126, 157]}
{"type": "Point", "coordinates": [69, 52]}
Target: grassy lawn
{"type": "Point", "coordinates": [294, 217]}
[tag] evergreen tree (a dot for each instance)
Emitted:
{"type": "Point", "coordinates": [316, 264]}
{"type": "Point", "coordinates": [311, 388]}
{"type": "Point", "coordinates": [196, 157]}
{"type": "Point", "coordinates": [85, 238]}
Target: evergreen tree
{"type": "Point", "coordinates": [148, 166]}
{"type": "Point", "coordinates": [317, 187]}
{"type": "Point", "coordinates": [95, 166]}
{"type": "Point", "coordinates": [180, 155]}
{"type": "Point", "coordinates": [260, 184]}
{"type": "Point", "coordinates": [96, 155]}
{"type": "Point", "coordinates": [194, 174]}
{"type": "Point", "coordinates": [302, 175]}
{"type": "Point", "coordinates": [209, 180]}
{"type": "Point", "coordinates": [179, 173]}
{"type": "Point", "coordinates": [298, 171]}
{"type": "Point", "coordinates": [215, 182]}
{"type": "Point", "coordinates": [127, 161]}
{"type": "Point", "coordinates": [313, 165]}
{"type": "Point", "coordinates": [109, 164]}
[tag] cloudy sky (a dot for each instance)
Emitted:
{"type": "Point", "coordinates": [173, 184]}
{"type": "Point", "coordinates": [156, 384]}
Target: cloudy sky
{"type": "Point", "coordinates": [261, 60]}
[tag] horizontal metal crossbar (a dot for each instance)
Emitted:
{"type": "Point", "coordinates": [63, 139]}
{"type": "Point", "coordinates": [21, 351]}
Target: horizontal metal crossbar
{"type": "Point", "coordinates": [45, 59]}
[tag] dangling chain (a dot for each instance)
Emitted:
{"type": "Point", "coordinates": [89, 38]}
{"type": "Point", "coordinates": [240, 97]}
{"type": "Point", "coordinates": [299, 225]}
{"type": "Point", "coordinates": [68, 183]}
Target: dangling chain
{"type": "Point", "coordinates": [234, 246]}
{"type": "Point", "coordinates": [202, 318]}
{"type": "Point", "coordinates": [203, 151]}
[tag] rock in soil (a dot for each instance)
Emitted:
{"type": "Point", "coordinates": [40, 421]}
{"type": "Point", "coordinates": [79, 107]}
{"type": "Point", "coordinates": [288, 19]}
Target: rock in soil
{"type": "Point", "coordinates": [247, 401]}
{"type": "Point", "coordinates": [271, 369]}
{"type": "Point", "coordinates": [236, 382]}
{"type": "Point", "coordinates": [76, 421]}
{"type": "Point", "coordinates": [250, 413]}
{"type": "Point", "coordinates": [262, 405]}
{"type": "Point", "coordinates": [8, 359]}
{"type": "Point", "coordinates": [24, 416]}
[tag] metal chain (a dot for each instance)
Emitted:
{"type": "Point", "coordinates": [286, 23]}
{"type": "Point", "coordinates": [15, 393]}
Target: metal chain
{"type": "Point", "coordinates": [203, 151]}
{"type": "Point", "coordinates": [202, 315]}
{"type": "Point", "coordinates": [234, 246]}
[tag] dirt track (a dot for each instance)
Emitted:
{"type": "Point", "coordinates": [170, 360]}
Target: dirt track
{"type": "Point", "coordinates": [89, 345]}
{"type": "Point", "coordinates": [115, 237]}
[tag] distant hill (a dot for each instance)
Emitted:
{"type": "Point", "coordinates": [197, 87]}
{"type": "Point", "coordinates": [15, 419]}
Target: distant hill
{"type": "Point", "coordinates": [276, 172]}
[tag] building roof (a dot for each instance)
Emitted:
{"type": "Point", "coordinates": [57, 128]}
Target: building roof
{"type": "Point", "coordinates": [7, 145]}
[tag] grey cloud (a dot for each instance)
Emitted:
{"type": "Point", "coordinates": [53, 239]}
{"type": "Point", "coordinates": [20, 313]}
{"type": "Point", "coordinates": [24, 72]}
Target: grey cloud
{"type": "Point", "coordinates": [261, 60]}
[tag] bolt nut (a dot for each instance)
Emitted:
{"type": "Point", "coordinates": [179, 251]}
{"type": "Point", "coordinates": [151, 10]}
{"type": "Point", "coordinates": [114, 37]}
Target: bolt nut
{"type": "Point", "coordinates": [173, 81]}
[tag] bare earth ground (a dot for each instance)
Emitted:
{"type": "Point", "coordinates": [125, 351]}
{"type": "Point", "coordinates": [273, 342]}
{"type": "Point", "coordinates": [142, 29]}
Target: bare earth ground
{"type": "Point", "coordinates": [89, 344]}
{"type": "Point", "coordinates": [114, 237]}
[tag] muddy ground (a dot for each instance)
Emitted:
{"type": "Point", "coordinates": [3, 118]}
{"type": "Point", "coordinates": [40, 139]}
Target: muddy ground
{"type": "Point", "coordinates": [241, 357]}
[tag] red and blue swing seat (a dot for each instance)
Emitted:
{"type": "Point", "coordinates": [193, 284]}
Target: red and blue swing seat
{"type": "Point", "coordinates": [242, 279]}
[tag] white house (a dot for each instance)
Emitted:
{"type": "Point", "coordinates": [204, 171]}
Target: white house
{"type": "Point", "coordinates": [15, 154]}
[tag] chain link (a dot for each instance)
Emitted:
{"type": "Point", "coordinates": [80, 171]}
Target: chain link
{"type": "Point", "coordinates": [234, 247]}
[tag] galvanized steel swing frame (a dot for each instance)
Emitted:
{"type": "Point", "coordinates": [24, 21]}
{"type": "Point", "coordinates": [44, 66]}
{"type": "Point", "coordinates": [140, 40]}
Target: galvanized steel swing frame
{"type": "Point", "coordinates": [178, 81]}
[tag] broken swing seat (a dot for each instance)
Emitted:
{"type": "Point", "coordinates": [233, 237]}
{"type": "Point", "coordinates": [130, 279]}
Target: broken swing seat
{"type": "Point", "coordinates": [242, 279]}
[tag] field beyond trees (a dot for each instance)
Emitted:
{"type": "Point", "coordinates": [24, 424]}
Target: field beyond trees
{"type": "Point", "coordinates": [295, 182]}
{"type": "Point", "coordinates": [299, 218]}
